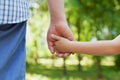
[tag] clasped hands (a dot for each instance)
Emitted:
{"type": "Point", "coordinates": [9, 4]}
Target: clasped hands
{"type": "Point", "coordinates": [55, 33]}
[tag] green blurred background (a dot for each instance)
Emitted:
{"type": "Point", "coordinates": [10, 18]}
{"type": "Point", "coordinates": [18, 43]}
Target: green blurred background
{"type": "Point", "coordinates": [89, 20]}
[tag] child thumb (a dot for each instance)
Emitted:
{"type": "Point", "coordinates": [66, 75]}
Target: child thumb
{"type": "Point", "coordinates": [55, 37]}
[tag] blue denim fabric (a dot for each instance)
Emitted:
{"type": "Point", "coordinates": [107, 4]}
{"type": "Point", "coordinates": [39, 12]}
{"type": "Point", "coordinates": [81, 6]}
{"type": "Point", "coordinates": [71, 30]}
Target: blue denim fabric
{"type": "Point", "coordinates": [12, 51]}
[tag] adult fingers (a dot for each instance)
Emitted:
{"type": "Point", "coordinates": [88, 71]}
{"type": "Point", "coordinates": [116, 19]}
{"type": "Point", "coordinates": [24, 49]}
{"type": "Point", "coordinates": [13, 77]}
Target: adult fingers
{"type": "Point", "coordinates": [67, 33]}
{"type": "Point", "coordinates": [51, 47]}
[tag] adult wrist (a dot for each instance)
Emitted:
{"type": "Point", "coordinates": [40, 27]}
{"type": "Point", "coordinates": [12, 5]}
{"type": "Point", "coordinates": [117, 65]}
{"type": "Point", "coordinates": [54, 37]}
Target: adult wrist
{"type": "Point", "coordinates": [59, 23]}
{"type": "Point", "coordinates": [71, 48]}
{"type": "Point", "coordinates": [55, 17]}
{"type": "Point", "coordinates": [58, 20]}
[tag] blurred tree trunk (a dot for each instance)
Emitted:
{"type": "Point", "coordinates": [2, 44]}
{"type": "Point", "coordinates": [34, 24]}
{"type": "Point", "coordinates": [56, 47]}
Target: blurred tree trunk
{"type": "Point", "coordinates": [117, 62]}
{"type": "Point", "coordinates": [78, 33]}
{"type": "Point", "coordinates": [98, 67]}
{"type": "Point", "coordinates": [64, 67]}
{"type": "Point", "coordinates": [53, 60]}
{"type": "Point", "coordinates": [35, 56]}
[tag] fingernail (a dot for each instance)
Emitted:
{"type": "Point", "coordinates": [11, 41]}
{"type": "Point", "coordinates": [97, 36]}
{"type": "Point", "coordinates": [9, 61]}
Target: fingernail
{"type": "Point", "coordinates": [59, 55]}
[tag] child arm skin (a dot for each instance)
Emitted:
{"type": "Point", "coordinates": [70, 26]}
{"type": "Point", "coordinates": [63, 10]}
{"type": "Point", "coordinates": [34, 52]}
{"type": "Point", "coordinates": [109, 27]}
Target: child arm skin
{"type": "Point", "coordinates": [100, 48]}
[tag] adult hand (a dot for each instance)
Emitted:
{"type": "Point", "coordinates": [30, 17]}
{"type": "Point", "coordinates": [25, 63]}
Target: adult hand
{"type": "Point", "coordinates": [60, 29]}
{"type": "Point", "coordinates": [58, 24]}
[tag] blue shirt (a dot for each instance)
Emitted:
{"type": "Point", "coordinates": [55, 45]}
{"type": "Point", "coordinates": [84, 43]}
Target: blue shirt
{"type": "Point", "coordinates": [13, 11]}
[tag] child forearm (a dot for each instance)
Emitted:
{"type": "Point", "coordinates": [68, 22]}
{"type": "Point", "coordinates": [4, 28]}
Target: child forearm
{"type": "Point", "coordinates": [105, 47]}
{"type": "Point", "coordinates": [108, 47]}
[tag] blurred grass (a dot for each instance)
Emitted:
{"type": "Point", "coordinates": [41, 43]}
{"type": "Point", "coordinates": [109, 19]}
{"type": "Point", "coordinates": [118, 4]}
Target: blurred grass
{"type": "Point", "coordinates": [48, 72]}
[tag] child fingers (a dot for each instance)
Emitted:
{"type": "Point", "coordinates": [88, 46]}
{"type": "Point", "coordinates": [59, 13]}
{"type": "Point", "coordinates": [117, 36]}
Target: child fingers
{"type": "Point", "coordinates": [62, 54]}
{"type": "Point", "coordinates": [67, 54]}
{"type": "Point", "coordinates": [59, 54]}
{"type": "Point", "coordinates": [55, 37]}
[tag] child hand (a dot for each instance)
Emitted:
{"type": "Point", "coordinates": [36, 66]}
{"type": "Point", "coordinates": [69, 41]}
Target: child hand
{"type": "Point", "coordinates": [61, 44]}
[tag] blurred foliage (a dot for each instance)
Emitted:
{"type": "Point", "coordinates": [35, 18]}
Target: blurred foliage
{"type": "Point", "coordinates": [89, 20]}
{"type": "Point", "coordinates": [42, 72]}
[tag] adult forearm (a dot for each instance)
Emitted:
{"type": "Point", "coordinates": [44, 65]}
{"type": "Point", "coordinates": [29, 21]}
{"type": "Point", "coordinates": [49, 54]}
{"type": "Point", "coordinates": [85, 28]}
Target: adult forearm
{"type": "Point", "coordinates": [56, 9]}
{"type": "Point", "coordinates": [96, 48]}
